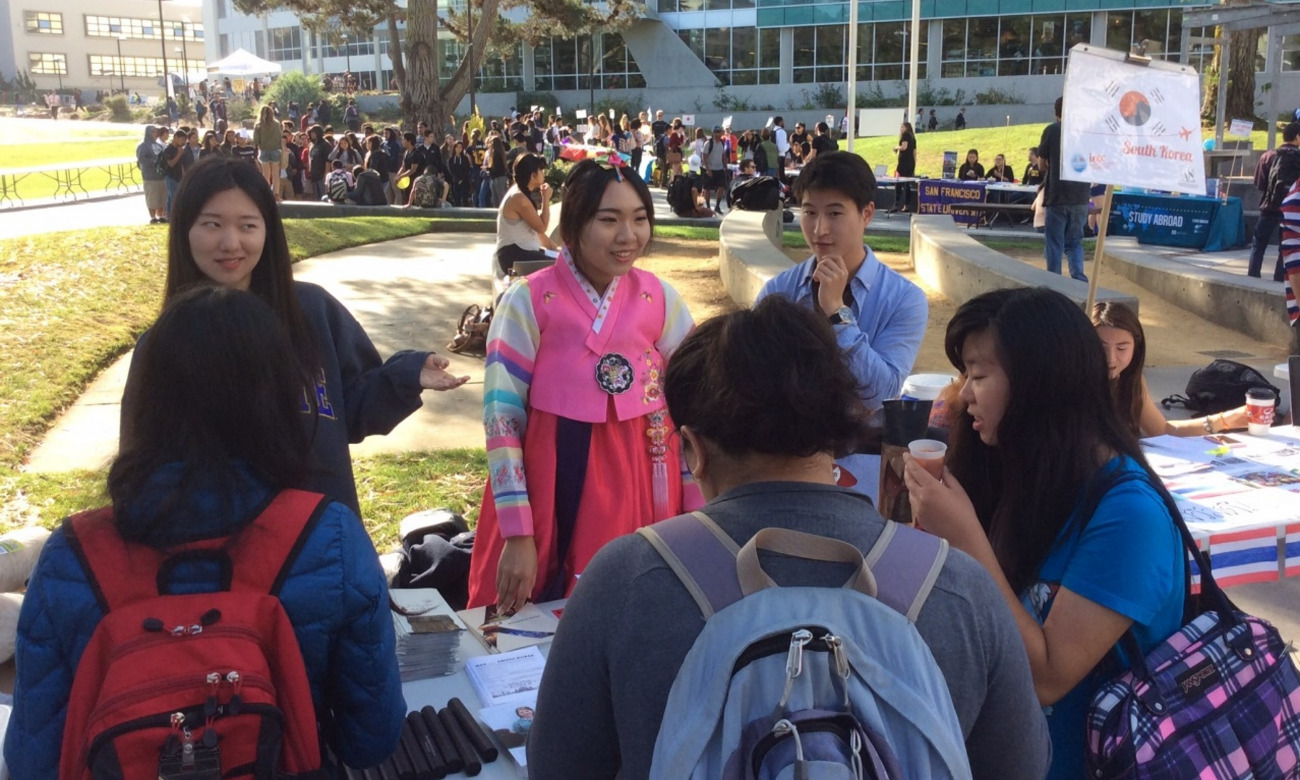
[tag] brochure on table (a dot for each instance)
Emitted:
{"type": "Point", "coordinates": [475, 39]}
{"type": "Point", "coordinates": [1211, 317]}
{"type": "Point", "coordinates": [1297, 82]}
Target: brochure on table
{"type": "Point", "coordinates": [506, 684]}
{"type": "Point", "coordinates": [1231, 482]}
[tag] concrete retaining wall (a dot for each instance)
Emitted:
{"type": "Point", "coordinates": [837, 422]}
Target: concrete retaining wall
{"type": "Point", "coordinates": [950, 261]}
{"type": "Point", "coordinates": [1254, 307]}
{"type": "Point", "coordinates": [749, 253]}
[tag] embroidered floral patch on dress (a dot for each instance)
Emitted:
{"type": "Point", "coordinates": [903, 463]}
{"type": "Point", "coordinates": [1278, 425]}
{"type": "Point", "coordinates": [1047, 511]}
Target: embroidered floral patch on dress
{"type": "Point", "coordinates": [614, 374]}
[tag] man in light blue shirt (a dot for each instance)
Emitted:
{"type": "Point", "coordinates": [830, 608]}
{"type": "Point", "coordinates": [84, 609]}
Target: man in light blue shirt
{"type": "Point", "coordinates": [879, 317]}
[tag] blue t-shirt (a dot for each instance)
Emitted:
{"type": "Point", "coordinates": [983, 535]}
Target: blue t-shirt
{"type": "Point", "coordinates": [1129, 559]}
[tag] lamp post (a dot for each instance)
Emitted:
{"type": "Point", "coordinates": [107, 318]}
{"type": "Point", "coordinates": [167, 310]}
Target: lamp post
{"type": "Point", "coordinates": [162, 41]}
{"type": "Point", "coordinates": [121, 64]}
{"type": "Point", "coordinates": [348, 54]}
{"type": "Point", "coordinates": [473, 72]}
{"type": "Point", "coordinates": [185, 53]}
{"type": "Point", "coordinates": [179, 52]}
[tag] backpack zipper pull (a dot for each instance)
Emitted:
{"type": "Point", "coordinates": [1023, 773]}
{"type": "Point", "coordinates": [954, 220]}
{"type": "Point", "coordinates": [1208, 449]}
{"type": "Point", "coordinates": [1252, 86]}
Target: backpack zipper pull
{"type": "Point", "coordinates": [236, 698]}
{"type": "Point", "coordinates": [840, 665]}
{"type": "Point", "coordinates": [784, 728]}
{"type": "Point", "coordinates": [793, 664]}
{"type": "Point", "coordinates": [172, 745]}
{"type": "Point", "coordinates": [794, 661]}
{"type": "Point", "coordinates": [214, 685]}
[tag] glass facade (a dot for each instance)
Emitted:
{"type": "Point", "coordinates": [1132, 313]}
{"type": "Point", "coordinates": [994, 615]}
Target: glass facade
{"type": "Point", "coordinates": [105, 65]}
{"type": "Point", "coordinates": [45, 64]}
{"type": "Point", "coordinates": [1011, 46]}
{"type": "Point", "coordinates": [677, 6]}
{"type": "Point", "coordinates": [333, 44]}
{"type": "Point", "coordinates": [738, 56]}
{"type": "Point", "coordinates": [284, 44]}
{"type": "Point", "coordinates": [565, 63]}
{"type": "Point", "coordinates": [885, 51]}
{"type": "Point", "coordinates": [145, 29]}
{"type": "Point", "coordinates": [43, 23]}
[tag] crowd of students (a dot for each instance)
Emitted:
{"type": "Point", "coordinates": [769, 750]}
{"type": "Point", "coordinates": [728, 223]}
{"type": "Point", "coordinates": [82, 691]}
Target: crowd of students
{"type": "Point", "coordinates": [605, 410]}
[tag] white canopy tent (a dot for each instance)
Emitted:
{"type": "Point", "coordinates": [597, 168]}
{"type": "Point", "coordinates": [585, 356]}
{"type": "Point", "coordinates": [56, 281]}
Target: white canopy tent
{"type": "Point", "coordinates": [243, 63]}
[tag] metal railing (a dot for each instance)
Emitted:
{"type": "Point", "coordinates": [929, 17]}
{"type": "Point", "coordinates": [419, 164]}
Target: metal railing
{"type": "Point", "coordinates": [64, 181]}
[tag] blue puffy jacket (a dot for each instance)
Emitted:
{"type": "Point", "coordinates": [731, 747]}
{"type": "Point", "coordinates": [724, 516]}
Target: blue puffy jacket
{"type": "Point", "coordinates": [336, 598]}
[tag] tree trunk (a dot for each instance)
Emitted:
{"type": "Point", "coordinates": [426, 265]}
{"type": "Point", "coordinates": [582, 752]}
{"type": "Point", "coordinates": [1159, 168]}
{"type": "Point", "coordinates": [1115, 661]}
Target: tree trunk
{"type": "Point", "coordinates": [395, 54]}
{"type": "Point", "coordinates": [1241, 77]}
{"type": "Point", "coordinates": [423, 98]}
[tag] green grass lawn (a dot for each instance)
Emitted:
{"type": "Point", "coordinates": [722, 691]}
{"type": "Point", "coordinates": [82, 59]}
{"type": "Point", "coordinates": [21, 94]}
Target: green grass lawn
{"type": "Point", "coordinates": [388, 486]}
{"type": "Point", "coordinates": [72, 302]}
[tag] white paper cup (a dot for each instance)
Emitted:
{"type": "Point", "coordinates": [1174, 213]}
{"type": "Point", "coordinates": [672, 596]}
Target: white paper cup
{"type": "Point", "coordinates": [930, 454]}
{"type": "Point", "coordinates": [1259, 410]}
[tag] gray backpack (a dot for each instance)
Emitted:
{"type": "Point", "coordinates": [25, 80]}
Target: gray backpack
{"type": "Point", "coordinates": [824, 683]}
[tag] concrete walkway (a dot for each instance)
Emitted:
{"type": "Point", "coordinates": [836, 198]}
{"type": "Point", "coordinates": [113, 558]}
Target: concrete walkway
{"type": "Point", "coordinates": [407, 294]}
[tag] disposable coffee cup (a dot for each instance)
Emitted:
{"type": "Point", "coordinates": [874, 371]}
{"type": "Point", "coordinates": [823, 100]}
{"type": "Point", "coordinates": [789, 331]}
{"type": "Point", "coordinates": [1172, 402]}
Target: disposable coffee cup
{"type": "Point", "coordinates": [1259, 410]}
{"type": "Point", "coordinates": [929, 453]}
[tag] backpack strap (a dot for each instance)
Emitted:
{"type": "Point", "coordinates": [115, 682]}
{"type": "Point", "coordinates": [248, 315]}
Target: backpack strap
{"type": "Point", "coordinates": [905, 563]}
{"type": "Point", "coordinates": [702, 556]}
{"type": "Point", "coordinates": [257, 558]}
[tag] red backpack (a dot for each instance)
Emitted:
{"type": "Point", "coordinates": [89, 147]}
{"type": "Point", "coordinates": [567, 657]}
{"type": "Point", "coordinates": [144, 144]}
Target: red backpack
{"type": "Point", "coordinates": [197, 686]}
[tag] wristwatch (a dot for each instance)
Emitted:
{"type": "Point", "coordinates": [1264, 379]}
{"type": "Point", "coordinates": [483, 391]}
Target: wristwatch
{"type": "Point", "coordinates": [844, 316]}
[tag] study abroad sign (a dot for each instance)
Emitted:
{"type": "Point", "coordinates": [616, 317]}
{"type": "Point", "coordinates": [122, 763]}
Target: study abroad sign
{"type": "Point", "coordinates": [1131, 124]}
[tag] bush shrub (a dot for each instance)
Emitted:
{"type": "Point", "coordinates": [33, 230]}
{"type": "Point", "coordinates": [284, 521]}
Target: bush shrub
{"type": "Point", "coordinates": [120, 111]}
{"type": "Point", "coordinates": [293, 87]}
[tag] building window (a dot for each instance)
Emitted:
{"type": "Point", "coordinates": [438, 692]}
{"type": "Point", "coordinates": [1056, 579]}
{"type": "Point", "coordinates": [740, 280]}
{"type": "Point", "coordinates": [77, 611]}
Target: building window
{"type": "Point", "coordinates": [556, 65]}
{"type": "Point", "coordinates": [566, 64]}
{"type": "Point", "coordinates": [820, 54]}
{"type": "Point", "coordinates": [1011, 45]}
{"type": "Point", "coordinates": [330, 44]}
{"type": "Point", "coordinates": [738, 56]}
{"type": "Point", "coordinates": [285, 44]}
{"type": "Point", "coordinates": [43, 23]}
{"type": "Point", "coordinates": [143, 67]}
{"type": "Point", "coordinates": [47, 64]}
{"type": "Point", "coordinates": [885, 51]}
{"type": "Point", "coordinates": [618, 68]}
{"type": "Point", "coordinates": [1160, 30]}
{"type": "Point", "coordinates": [144, 29]}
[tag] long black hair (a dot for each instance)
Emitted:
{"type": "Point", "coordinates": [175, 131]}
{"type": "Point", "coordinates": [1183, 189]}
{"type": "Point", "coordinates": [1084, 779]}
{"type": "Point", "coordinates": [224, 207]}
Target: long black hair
{"type": "Point", "coordinates": [214, 395]}
{"type": "Point", "coordinates": [272, 278]}
{"type": "Point", "coordinates": [1059, 427]}
{"type": "Point", "coordinates": [1127, 388]}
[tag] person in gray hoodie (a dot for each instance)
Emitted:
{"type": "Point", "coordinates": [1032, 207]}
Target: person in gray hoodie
{"type": "Point", "coordinates": [155, 189]}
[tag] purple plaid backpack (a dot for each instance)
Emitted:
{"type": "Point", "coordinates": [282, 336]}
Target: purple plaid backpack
{"type": "Point", "coordinates": [1219, 699]}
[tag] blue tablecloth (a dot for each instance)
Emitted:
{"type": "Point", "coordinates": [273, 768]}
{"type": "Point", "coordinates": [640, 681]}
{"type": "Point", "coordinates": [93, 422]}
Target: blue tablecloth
{"type": "Point", "coordinates": [1208, 224]}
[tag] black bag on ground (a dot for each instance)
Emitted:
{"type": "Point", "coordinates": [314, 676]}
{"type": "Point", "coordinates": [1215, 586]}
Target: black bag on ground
{"type": "Point", "coordinates": [761, 193]}
{"type": "Point", "coordinates": [436, 555]}
{"type": "Point", "coordinates": [679, 196]}
{"type": "Point", "coordinates": [1220, 386]}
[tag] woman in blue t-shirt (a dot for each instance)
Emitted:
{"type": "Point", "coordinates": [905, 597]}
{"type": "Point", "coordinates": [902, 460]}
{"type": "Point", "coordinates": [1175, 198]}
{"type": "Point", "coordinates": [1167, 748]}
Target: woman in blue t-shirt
{"type": "Point", "coordinates": [1048, 489]}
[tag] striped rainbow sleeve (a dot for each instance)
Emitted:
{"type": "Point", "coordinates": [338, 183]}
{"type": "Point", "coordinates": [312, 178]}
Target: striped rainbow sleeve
{"type": "Point", "coordinates": [678, 322]}
{"type": "Point", "coordinates": [511, 350]}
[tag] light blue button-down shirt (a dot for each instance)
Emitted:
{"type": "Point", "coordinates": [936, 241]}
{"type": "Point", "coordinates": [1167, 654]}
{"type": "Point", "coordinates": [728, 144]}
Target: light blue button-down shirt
{"type": "Point", "coordinates": [890, 315]}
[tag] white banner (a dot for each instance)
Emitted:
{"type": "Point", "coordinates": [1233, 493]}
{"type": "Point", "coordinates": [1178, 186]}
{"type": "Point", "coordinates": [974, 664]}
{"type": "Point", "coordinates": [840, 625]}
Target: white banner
{"type": "Point", "coordinates": [688, 120]}
{"type": "Point", "coordinates": [1130, 124]}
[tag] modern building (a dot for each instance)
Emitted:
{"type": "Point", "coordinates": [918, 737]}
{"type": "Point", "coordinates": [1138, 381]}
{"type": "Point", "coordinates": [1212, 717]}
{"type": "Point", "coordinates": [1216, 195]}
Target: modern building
{"type": "Point", "coordinates": [105, 45]}
{"type": "Point", "coordinates": [777, 54]}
